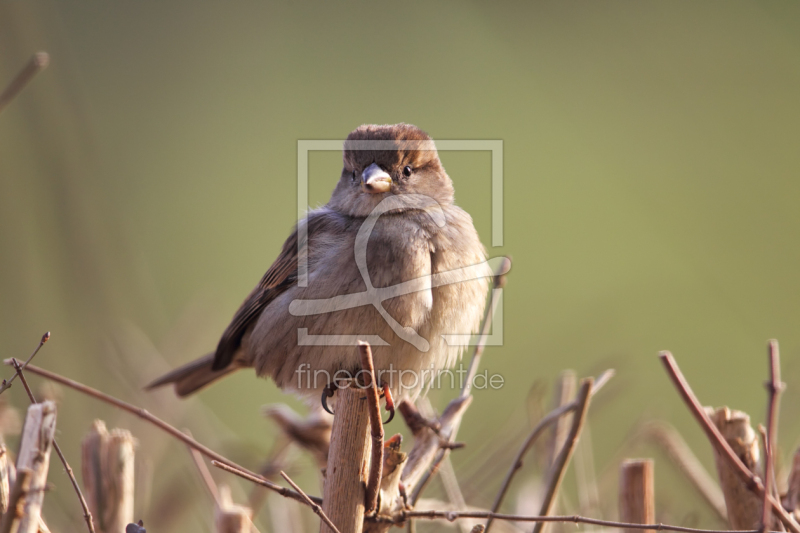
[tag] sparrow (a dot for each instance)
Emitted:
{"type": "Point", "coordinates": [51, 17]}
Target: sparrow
{"type": "Point", "coordinates": [389, 259]}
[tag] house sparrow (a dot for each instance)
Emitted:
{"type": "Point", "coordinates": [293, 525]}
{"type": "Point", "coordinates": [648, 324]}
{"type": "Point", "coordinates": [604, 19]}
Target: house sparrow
{"type": "Point", "coordinates": [390, 225]}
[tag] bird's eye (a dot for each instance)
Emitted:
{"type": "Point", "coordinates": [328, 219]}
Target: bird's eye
{"type": "Point", "coordinates": [407, 171]}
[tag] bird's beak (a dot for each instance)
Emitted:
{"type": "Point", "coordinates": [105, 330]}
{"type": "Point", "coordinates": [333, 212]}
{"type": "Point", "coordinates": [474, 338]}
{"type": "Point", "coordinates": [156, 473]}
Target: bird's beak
{"type": "Point", "coordinates": [375, 180]}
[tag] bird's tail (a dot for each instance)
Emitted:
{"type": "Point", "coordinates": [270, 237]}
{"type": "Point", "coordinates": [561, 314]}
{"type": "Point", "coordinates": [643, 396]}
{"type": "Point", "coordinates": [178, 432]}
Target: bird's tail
{"type": "Point", "coordinates": [192, 376]}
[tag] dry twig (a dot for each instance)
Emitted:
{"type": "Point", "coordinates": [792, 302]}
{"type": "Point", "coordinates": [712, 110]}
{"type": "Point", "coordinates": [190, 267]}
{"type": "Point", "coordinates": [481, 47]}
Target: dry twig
{"type": "Point", "coordinates": [451, 516]}
{"type": "Point", "coordinates": [145, 415]}
{"type": "Point", "coordinates": [376, 429]}
{"type": "Point", "coordinates": [718, 441]}
{"type": "Point", "coordinates": [314, 507]}
{"type": "Point", "coordinates": [87, 515]}
{"type": "Point", "coordinates": [258, 480]}
{"type": "Point", "coordinates": [543, 424]}
{"type": "Point", "coordinates": [7, 383]}
{"type": "Point", "coordinates": [774, 387]}
{"type": "Point", "coordinates": [560, 466]}
{"type": "Point", "coordinates": [36, 64]}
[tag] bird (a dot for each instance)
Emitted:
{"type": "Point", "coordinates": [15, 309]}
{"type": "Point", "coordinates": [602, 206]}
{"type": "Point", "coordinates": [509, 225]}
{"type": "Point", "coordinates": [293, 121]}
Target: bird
{"type": "Point", "coordinates": [390, 258]}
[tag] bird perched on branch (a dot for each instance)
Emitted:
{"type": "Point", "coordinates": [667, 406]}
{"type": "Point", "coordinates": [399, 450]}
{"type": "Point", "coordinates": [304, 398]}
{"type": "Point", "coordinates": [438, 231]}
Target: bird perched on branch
{"type": "Point", "coordinates": [390, 259]}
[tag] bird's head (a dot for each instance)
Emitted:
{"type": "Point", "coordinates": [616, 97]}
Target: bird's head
{"type": "Point", "coordinates": [379, 161]}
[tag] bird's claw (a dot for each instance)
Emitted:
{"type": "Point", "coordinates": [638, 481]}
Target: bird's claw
{"type": "Point", "coordinates": [387, 393]}
{"type": "Point", "coordinates": [327, 392]}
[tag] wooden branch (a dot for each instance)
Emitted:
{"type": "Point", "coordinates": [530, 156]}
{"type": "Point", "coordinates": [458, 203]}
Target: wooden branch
{"type": "Point", "coordinates": [34, 454]}
{"type": "Point", "coordinates": [774, 387]}
{"type": "Point", "coordinates": [560, 466]}
{"type": "Point", "coordinates": [343, 498]}
{"type": "Point", "coordinates": [314, 507]}
{"type": "Point", "coordinates": [637, 492]}
{"type": "Point", "coordinates": [87, 515]}
{"type": "Point", "coordinates": [154, 420]}
{"type": "Point", "coordinates": [718, 441]}
{"type": "Point", "coordinates": [376, 429]}
{"type": "Point", "coordinates": [108, 475]}
{"type": "Point", "coordinates": [229, 517]}
{"type": "Point", "coordinates": [16, 506]}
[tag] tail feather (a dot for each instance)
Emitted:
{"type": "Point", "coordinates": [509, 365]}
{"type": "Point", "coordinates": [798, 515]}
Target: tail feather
{"type": "Point", "coordinates": [192, 376]}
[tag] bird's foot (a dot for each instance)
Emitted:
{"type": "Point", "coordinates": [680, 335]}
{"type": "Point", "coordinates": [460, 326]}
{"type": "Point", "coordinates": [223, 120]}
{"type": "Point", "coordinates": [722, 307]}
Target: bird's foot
{"type": "Point", "coordinates": [327, 392]}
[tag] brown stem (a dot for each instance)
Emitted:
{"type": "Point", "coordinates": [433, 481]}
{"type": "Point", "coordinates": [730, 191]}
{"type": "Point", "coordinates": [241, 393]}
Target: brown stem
{"type": "Point", "coordinates": [560, 466]}
{"type": "Point", "coordinates": [314, 507]}
{"type": "Point", "coordinates": [145, 415]}
{"type": "Point", "coordinates": [37, 63]}
{"type": "Point", "coordinates": [774, 387]}
{"type": "Point", "coordinates": [718, 441]}
{"type": "Point", "coordinates": [258, 480]}
{"type": "Point", "coordinates": [458, 515]}
{"type": "Point", "coordinates": [202, 469]}
{"type": "Point", "coordinates": [376, 429]}
{"type": "Point", "coordinates": [87, 515]}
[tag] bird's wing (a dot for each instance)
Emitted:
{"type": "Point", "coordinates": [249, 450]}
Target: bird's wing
{"type": "Point", "coordinates": [280, 276]}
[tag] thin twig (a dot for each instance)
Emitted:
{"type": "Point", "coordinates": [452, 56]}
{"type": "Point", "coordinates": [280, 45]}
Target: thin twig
{"type": "Point", "coordinates": [7, 384]}
{"type": "Point", "coordinates": [774, 387]}
{"type": "Point", "coordinates": [258, 480]}
{"type": "Point", "coordinates": [87, 515]}
{"type": "Point", "coordinates": [498, 282]}
{"type": "Point", "coordinates": [314, 507]}
{"type": "Point", "coordinates": [37, 63]}
{"type": "Point", "coordinates": [450, 516]}
{"type": "Point", "coordinates": [146, 415]}
{"type": "Point", "coordinates": [543, 424]}
{"type": "Point", "coordinates": [376, 429]}
{"type": "Point", "coordinates": [560, 466]}
{"type": "Point", "coordinates": [718, 441]}
{"type": "Point", "coordinates": [202, 469]}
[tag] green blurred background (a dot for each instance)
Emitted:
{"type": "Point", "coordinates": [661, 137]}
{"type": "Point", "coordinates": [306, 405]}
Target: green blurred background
{"type": "Point", "coordinates": [148, 179]}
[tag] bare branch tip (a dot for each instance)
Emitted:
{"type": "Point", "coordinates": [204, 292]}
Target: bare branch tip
{"type": "Point", "coordinates": [41, 60]}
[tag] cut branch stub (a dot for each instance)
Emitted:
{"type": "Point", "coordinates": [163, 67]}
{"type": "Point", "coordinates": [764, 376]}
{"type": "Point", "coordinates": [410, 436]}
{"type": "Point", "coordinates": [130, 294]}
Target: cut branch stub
{"type": "Point", "coordinates": [744, 506]}
{"type": "Point", "coordinates": [108, 475]}
{"type": "Point", "coordinates": [637, 492]}
{"type": "Point", "coordinates": [34, 454]}
{"type": "Point", "coordinates": [229, 517]}
{"type": "Point", "coordinates": [348, 462]}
